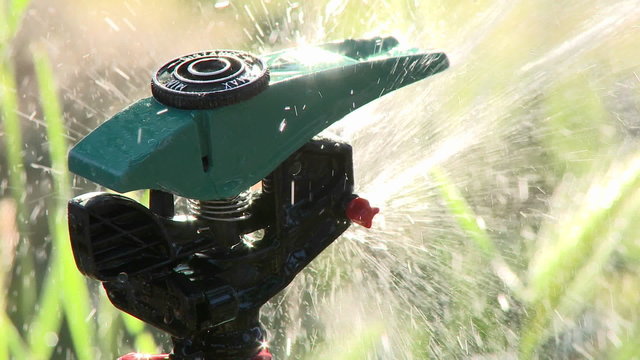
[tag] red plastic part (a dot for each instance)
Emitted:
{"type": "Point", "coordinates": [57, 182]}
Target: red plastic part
{"type": "Point", "coordinates": [360, 212]}
{"type": "Point", "coordinates": [138, 356]}
{"type": "Point", "coordinates": [264, 354]}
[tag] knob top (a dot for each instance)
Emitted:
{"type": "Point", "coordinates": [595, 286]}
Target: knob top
{"type": "Point", "coordinates": [209, 79]}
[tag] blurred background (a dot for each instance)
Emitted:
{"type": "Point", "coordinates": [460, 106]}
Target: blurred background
{"type": "Point", "coordinates": [509, 184]}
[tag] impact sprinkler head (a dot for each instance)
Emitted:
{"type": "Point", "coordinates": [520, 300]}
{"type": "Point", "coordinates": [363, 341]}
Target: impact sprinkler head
{"type": "Point", "coordinates": [219, 122]}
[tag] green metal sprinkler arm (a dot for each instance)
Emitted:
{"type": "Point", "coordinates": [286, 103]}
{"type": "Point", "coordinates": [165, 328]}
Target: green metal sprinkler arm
{"type": "Point", "coordinates": [217, 153]}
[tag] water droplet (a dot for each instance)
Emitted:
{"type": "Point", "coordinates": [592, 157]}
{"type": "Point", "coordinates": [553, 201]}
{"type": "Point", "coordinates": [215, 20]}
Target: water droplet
{"type": "Point", "coordinates": [221, 4]}
{"type": "Point", "coordinates": [504, 302]}
{"type": "Point", "coordinates": [111, 24]}
{"type": "Point", "coordinates": [123, 277]}
{"type": "Point", "coordinates": [283, 125]}
{"type": "Point", "coordinates": [51, 338]}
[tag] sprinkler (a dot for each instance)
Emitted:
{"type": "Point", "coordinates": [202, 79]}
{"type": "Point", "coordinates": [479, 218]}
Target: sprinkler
{"type": "Point", "coordinates": [237, 137]}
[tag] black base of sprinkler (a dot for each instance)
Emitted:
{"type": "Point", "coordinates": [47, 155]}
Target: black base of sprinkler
{"type": "Point", "coordinates": [203, 280]}
{"type": "Point", "coordinates": [240, 339]}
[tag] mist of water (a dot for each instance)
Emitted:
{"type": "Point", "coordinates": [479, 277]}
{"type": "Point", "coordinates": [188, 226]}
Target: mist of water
{"type": "Point", "coordinates": [415, 284]}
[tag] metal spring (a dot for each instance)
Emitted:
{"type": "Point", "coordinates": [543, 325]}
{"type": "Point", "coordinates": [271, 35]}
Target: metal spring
{"type": "Point", "coordinates": [231, 209]}
{"type": "Point", "coordinates": [267, 184]}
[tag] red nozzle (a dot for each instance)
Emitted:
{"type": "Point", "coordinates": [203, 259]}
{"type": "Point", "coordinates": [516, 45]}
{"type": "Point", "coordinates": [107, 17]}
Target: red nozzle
{"type": "Point", "coordinates": [264, 354]}
{"type": "Point", "coordinates": [360, 212]}
{"type": "Point", "coordinates": [138, 356]}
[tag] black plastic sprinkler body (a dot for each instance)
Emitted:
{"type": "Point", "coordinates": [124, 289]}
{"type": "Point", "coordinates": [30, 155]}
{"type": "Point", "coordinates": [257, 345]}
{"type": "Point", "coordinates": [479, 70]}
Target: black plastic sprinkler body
{"type": "Point", "coordinates": [221, 121]}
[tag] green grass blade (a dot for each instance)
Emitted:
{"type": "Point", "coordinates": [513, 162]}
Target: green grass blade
{"type": "Point", "coordinates": [4, 329]}
{"type": "Point", "coordinates": [18, 8]}
{"type": "Point", "coordinates": [16, 12]}
{"type": "Point", "coordinates": [133, 325]}
{"type": "Point", "coordinates": [145, 343]}
{"type": "Point", "coordinates": [4, 30]}
{"type": "Point", "coordinates": [566, 269]}
{"type": "Point", "coordinates": [580, 125]}
{"type": "Point", "coordinates": [629, 349]}
{"type": "Point", "coordinates": [55, 126]}
{"type": "Point", "coordinates": [143, 340]}
{"type": "Point", "coordinates": [49, 320]}
{"type": "Point", "coordinates": [48, 316]}
{"type": "Point", "coordinates": [17, 185]}
{"type": "Point", "coordinates": [362, 346]}
{"type": "Point", "coordinates": [568, 253]}
{"type": "Point", "coordinates": [466, 219]}
{"type": "Point", "coordinates": [358, 345]}
{"type": "Point", "coordinates": [74, 295]}
{"type": "Point", "coordinates": [11, 336]}
{"type": "Point", "coordinates": [8, 238]}
{"type": "Point", "coordinates": [144, 198]}
{"type": "Point", "coordinates": [109, 325]}
{"type": "Point", "coordinates": [10, 19]}
{"type": "Point", "coordinates": [13, 137]}
{"type": "Point", "coordinates": [76, 312]}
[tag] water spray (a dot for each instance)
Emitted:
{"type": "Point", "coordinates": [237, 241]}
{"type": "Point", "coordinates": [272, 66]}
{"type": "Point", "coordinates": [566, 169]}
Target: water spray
{"type": "Point", "coordinates": [220, 122]}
